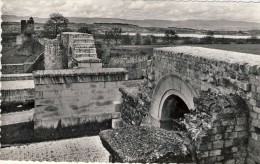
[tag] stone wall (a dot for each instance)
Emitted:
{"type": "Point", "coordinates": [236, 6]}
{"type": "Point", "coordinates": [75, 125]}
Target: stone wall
{"type": "Point", "coordinates": [218, 128]}
{"type": "Point", "coordinates": [219, 71]}
{"type": "Point", "coordinates": [27, 67]}
{"type": "Point", "coordinates": [12, 68]}
{"type": "Point", "coordinates": [76, 95]}
{"type": "Point", "coordinates": [134, 63]}
{"type": "Point", "coordinates": [17, 88]}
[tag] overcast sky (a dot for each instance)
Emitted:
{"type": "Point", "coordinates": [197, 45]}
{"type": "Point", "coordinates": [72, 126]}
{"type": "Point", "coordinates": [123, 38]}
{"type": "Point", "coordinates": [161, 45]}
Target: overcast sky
{"type": "Point", "coordinates": [126, 9]}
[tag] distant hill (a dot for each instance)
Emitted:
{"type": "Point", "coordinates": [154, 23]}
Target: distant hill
{"type": "Point", "coordinates": [222, 25]}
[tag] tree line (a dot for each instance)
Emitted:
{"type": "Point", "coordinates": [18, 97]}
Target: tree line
{"type": "Point", "coordinates": [57, 23]}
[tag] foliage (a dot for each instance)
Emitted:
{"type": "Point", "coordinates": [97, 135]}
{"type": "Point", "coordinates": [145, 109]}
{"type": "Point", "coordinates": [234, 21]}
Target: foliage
{"type": "Point", "coordinates": [126, 40]}
{"type": "Point", "coordinates": [108, 36]}
{"type": "Point", "coordinates": [253, 39]}
{"type": "Point", "coordinates": [170, 35]}
{"type": "Point", "coordinates": [117, 31]}
{"type": "Point", "coordinates": [210, 33]}
{"type": "Point", "coordinates": [209, 39]}
{"type": "Point", "coordinates": [148, 40]}
{"type": "Point", "coordinates": [85, 30]}
{"type": "Point", "coordinates": [114, 33]}
{"type": "Point", "coordinates": [154, 39]}
{"type": "Point", "coordinates": [138, 39]}
{"type": "Point", "coordinates": [103, 51]}
{"type": "Point", "coordinates": [56, 23]}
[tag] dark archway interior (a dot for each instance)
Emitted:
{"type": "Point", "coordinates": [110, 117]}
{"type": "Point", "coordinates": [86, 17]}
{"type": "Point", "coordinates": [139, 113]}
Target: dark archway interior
{"type": "Point", "coordinates": [174, 107]}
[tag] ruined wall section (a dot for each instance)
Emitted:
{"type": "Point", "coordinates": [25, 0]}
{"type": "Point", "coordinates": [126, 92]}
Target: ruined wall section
{"type": "Point", "coordinates": [54, 57]}
{"type": "Point", "coordinates": [75, 96]}
{"type": "Point", "coordinates": [219, 71]}
{"type": "Point", "coordinates": [218, 128]}
{"type": "Point", "coordinates": [135, 64]}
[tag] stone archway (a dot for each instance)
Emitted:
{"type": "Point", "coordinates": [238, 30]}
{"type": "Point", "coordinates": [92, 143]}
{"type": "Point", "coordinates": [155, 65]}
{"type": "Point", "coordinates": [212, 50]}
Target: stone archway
{"type": "Point", "coordinates": [170, 90]}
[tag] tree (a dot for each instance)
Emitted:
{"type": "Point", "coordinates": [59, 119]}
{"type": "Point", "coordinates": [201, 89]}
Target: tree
{"type": "Point", "coordinates": [117, 31]}
{"type": "Point", "coordinates": [210, 33]}
{"type": "Point", "coordinates": [85, 30]}
{"type": "Point", "coordinates": [56, 23]}
{"type": "Point", "coordinates": [148, 40]}
{"type": "Point", "coordinates": [209, 37]}
{"type": "Point", "coordinates": [108, 36]}
{"type": "Point", "coordinates": [253, 39]}
{"type": "Point", "coordinates": [138, 39]}
{"type": "Point", "coordinates": [154, 39]}
{"type": "Point", "coordinates": [170, 35]}
{"type": "Point", "coordinates": [126, 40]}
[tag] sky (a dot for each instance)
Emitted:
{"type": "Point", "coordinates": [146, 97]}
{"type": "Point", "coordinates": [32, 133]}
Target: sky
{"type": "Point", "coordinates": [137, 9]}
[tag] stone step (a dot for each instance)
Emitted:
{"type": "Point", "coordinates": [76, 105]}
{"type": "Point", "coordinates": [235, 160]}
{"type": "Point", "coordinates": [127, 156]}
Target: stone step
{"type": "Point", "coordinates": [83, 40]}
{"type": "Point", "coordinates": [84, 45]}
{"type": "Point", "coordinates": [79, 55]}
{"type": "Point", "coordinates": [85, 50]}
{"type": "Point", "coordinates": [83, 37]}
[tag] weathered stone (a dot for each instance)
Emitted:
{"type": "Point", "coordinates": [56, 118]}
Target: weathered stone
{"type": "Point", "coordinates": [144, 144]}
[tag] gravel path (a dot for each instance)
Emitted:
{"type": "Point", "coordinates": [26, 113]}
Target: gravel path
{"type": "Point", "coordinates": [84, 149]}
{"type": "Point", "coordinates": [17, 117]}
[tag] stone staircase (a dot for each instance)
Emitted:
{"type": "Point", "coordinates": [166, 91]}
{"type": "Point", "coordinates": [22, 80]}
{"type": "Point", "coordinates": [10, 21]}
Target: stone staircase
{"type": "Point", "coordinates": [83, 46]}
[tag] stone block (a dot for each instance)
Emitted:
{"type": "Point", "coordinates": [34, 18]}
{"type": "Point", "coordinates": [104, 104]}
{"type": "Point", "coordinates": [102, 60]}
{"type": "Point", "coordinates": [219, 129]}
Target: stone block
{"type": "Point", "coordinates": [38, 94]}
{"type": "Point", "coordinates": [234, 149]}
{"type": "Point", "coordinates": [116, 115]}
{"type": "Point", "coordinates": [241, 121]}
{"type": "Point", "coordinates": [252, 101]}
{"type": "Point", "coordinates": [220, 158]}
{"type": "Point", "coordinates": [230, 161]}
{"type": "Point", "coordinates": [254, 136]}
{"type": "Point", "coordinates": [240, 128]}
{"type": "Point", "coordinates": [103, 116]}
{"type": "Point", "coordinates": [250, 161]}
{"type": "Point", "coordinates": [215, 152]}
{"type": "Point", "coordinates": [256, 109]}
{"type": "Point", "coordinates": [218, 136]}
{"type": "Point", "coordinates": [117, 123]}
{"type": "Point", "coordinates": [253, 114]}
{"type": "Point", "coordinates": [242, 134]}
{"type": "Point", "coordinates": [228, 143]}
{"type": "Point", "coordinates": [218, 144]}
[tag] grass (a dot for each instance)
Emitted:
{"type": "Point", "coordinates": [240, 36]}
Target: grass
{"type": "Point", "coordinates": [24, 132]}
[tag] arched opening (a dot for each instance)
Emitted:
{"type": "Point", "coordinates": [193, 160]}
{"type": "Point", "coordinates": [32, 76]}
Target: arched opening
{"type": "Point", "coordinates": [174, 107]}
{"type": "Point", "coordinates": [171, 89]}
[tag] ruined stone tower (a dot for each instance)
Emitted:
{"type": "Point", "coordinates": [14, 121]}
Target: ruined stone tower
{"type": "Point", "coordinates": [27, 26]}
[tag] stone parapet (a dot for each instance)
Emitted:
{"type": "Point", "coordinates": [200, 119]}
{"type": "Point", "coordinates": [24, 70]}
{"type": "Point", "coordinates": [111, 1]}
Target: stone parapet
{"type": "Point", "coordinates": [12, 77]}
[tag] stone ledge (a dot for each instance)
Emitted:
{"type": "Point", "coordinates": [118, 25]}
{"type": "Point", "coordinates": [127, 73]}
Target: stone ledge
{"type": "Point", "coordinates": [87, 60]}
{"type": "Point", "coordinates": [145, 144]}
{"type": "Point", "coordinates": [77, 72]}
{"type": "Point", "coordinates": [213, 54]}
